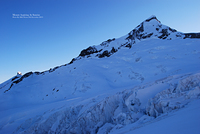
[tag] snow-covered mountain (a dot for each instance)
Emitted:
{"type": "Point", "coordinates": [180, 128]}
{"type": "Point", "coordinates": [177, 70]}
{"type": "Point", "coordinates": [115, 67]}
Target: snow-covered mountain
{"type": "Point", "coordinates": [117, 86]}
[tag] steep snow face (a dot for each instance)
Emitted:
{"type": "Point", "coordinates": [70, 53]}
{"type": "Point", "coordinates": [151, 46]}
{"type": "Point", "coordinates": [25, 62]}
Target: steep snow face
{"type": "Point", "coordinates": [107, 86]}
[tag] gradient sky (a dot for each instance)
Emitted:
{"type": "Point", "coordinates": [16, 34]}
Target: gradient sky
{"type": "Point", "coordinates": [68, 26]}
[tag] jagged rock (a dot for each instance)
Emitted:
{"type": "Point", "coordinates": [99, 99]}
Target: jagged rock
{"type": "Point", "coordinates": [15, 78]}
{"type": "Point", "coordinates": [104, 54]}
{"type": "Point", "coordinates": [88, 51]}
{"type": "Point", "coordinates": [164, 34]}
{"type": "Point", "coordinates": [107, 42]}
{"type": "Point", "coordinates": [191, 35]}
{"type": "Point", "coordinates": [151, 18]}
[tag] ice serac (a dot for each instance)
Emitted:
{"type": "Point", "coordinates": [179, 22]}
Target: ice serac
{"type": "Point", "coordinates": [132, 80]}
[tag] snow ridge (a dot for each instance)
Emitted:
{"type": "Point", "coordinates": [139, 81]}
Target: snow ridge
{"type": "Point", "coordinates": [149, 29]}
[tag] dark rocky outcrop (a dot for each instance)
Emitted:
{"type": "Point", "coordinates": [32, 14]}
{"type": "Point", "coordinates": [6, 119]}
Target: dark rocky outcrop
{"type": "Point", "coordinates": [113, 50]}
{"type": "Point", "coordinates": [51, 70]}
{"type": "Point", "coordinates": [105, 43]}
{"type": "Point", "coordinates": [131, 36]}
{"type": "Point", "coordinates": [191, 35]}
{"type": "Point", "coordinates": [164, 34]}
{"type": "Point", "coordinates": [14, 78]}
{"type": "Point", "coordinates": [173, 30]}
{"type": "Point", "coordinates": [88, 51]}
{"type": "Point", "coordinates": [109, 40]}
{"type": "Point", "coordinates": [38, 73]}
{"type": "Point", "coordinates": [128, 45]}
{"type": "Point", "coordinates": [153, 17]}
{"type": "Point", "coordinates": [147, 36]}
{"type": "Point", "coordinates": [136, 33]}
{"type": "Point", "coordinates": [141, 28]}
{"type": "Point", "coordinates": [19, 80]}
{"type": "Point", "coordinates": [106, 53]}
{"type": "Point", "coordinates": [24, 76]}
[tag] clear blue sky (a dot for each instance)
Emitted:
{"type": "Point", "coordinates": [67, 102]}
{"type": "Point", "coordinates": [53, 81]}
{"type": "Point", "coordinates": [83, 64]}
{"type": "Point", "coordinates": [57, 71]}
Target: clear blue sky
{"type": "Point", "coordinates": [68, 26]}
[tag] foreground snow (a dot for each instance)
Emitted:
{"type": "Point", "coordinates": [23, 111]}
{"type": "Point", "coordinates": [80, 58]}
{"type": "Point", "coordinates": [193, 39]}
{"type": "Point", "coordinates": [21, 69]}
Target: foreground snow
{"type": "Point", "coordinates": [184, 121]}
{"type": "Point", "coordinates": [121, 112]}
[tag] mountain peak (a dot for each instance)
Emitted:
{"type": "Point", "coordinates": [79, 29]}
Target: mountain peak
{"type": "Point", "coordinates": [152, 17]}
{"type": "Point", "coordinates": [151, 28]}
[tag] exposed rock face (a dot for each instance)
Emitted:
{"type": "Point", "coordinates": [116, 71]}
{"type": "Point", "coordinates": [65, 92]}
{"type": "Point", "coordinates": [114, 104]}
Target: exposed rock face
{"type": "Point", "coordinates": [88, 51]}
{"type": "Point", "coordinates": [150, 28]}
{"type": "Point", "coordinates": [191, 35]}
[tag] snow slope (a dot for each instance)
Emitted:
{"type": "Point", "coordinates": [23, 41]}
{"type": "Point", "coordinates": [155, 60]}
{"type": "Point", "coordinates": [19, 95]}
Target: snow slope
{"type": "Point", "coordinates": [135, 79]}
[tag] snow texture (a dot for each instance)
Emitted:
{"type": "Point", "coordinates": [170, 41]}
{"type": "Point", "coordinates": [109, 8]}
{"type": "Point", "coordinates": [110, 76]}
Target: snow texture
{"type": "Point", "coordinates": [123, 85]}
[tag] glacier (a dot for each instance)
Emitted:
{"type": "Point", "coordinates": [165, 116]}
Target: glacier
{"type": "Point", "coordinates": [123, 85]}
